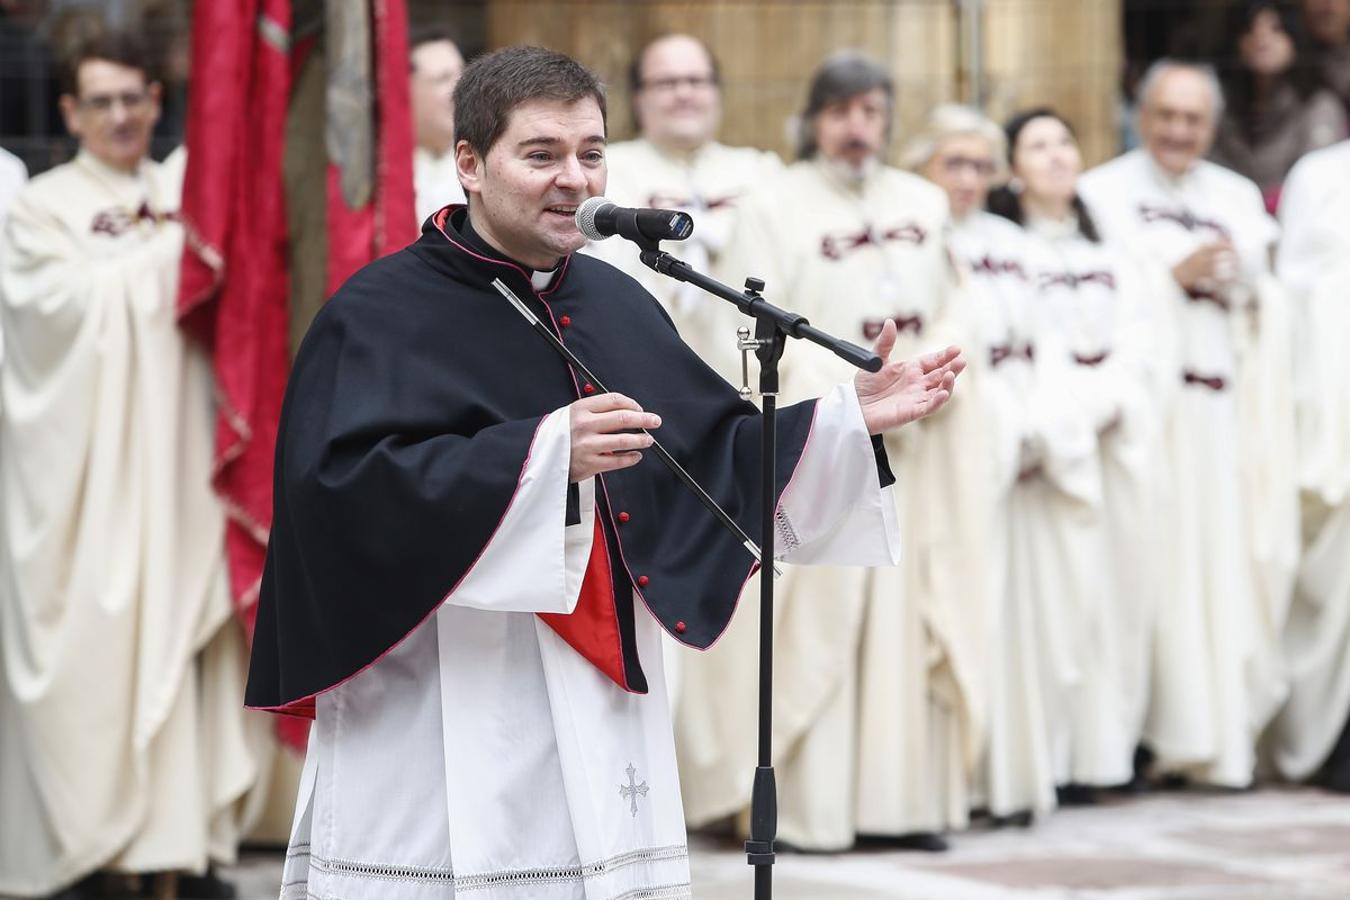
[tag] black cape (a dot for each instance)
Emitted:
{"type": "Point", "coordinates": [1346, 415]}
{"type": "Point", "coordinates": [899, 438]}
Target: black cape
{"type": "Point", "coordinates": [408, 418]}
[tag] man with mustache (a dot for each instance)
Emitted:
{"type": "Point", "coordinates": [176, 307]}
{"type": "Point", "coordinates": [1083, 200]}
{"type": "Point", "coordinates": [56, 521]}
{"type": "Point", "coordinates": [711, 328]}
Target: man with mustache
{"type": "Point", "coordinates": [474, 556]}
{"type": "Point", "coordinates": [676, 162]}
{"type": "Point", "coordinates": [878, 689]}
{"type": "Point", "coordinates": [122, 737]}
{"type": "Point", "coordinates": [1204, 237]}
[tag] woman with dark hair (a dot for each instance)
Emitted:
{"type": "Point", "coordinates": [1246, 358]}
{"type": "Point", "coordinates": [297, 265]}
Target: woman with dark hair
{"type": "Point", "coordinates": [1083, 508]}
{"type": "Point", "coordinates": [1278, 107]}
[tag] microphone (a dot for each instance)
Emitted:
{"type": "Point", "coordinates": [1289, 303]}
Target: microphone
{"type": "Point", "coordinates": [598, 219]}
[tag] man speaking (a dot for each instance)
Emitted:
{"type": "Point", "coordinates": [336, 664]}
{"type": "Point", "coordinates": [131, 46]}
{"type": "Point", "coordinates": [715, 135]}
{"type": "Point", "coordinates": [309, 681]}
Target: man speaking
{"type": "Point", "coordinates": [472, 560]}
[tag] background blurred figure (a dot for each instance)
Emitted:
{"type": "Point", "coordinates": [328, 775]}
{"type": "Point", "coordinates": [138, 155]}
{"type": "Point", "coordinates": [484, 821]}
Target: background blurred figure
{"type": "Point", "coordinates": [1276, 107]}
{"type": "Point", "coordinates": [677, 163]}
{"type": "Point", "coordinates": [436, 66]}
{"type": "Point", "coordinates": [1084, 516]}
{"type": "Point", "coordinates": [1206, 235]}
{"type": "Point", "coordinates": [1312, 739]}
{"type": "Point", "coordinates": [964, 153]}
{"type": "Point", "coordinates": [877, 713]}
{"type": "Point", "coordinates": [1328, 24]}
{"type": "Point", "coordinates": [122, 736]}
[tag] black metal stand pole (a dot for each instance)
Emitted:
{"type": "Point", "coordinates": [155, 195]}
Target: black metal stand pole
{"type": "Point", "coordinates": [773, 326]}
{"type": "Point", "coordinates": [759, 849]}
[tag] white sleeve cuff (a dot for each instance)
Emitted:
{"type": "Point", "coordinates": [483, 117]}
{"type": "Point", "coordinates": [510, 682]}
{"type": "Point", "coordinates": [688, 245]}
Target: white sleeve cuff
{"type": "Point", "coordinates": [834, 510]}
{"type": "Point", "coordinates": [535, 561]}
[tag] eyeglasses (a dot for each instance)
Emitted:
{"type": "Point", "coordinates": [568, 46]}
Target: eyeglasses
{"type": "Point", "coordinates": [954, 164]}
{"type": "Point", "coordinates": [102, 104]}
{"type": "Point", "coordinates": [665, 85]}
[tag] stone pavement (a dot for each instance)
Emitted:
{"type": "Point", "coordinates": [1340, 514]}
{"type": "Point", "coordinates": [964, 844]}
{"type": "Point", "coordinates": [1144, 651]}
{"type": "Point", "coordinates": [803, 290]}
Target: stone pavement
{"type": "Point", "coordinates": [1271, 844]}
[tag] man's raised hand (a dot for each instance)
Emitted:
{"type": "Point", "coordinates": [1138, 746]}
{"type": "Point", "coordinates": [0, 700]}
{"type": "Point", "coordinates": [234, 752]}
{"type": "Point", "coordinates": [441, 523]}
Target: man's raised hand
{"type": "Point", "coordinates": [603, 437]}
{"type": "Point", "coordinates": [905, 390]}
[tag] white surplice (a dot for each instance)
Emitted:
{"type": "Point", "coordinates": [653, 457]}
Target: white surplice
{"type": "Point", "coordinates": [1232, 533]}
{"type": "Point", "coordinates": [504, 764]}
{"type": "Point", "coordinates": [435, 182]}
{"type": "Point", "coordinates": [1314, 263]}
{"type": "Point", "coordinates": [1016, 774]}
{"type": "Point", "coordinates": [123, 741]}
{"type": "Point", "coordinates": [1084, 519]}
{"type": "Point", "coordinates": [878, 693]}
{"type": "Point", "coordinates": [708, 184]}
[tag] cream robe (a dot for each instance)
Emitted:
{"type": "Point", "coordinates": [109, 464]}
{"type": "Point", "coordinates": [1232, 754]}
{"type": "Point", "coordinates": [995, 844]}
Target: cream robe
{"type": "Point", "coordinates": [521, 771]}
{"type": "Point", "coordinates": [1232, 537]}
{"type": "Point", "coordinates": [1314, 263]}
{"type": "Point", "coordinates": [1016, 773]}
{"type": "Point", "coordinates": [710, 185]}
{"type": "Point", "coordinates": [435, 182]}
{"type": "Point", "coordinates": [879, 692]}
{"type": "Point", "coordinates": [1086, 516]}
{"type": "Point", "coordinates": [13, 176]}
{"type": "Point", "coordinates": [122, 735]}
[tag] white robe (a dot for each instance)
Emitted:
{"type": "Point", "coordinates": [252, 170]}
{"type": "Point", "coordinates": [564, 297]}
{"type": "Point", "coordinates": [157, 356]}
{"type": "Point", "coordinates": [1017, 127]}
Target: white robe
{"type": "Point", "coordinates": [1314, 263]}
{"type": "Point", "coordinates": [1084, 519]}
{"type": "Point", "coordinates": [878, 706]}
{"type": "Point", "coordinates": [435, 182]}
{"type": "Point", "coordinates": [1232, 537]}
{"type": "Point", "coordinates": [122, 734]}
{"type": "Point", "coordinates": [13, 176]}
{"type": "Point", "coordinates": [1016, 772]}
{"type": "Point", "coordinates": [710, 185]}
{"type": "Point", "coordinates": [505, 765]}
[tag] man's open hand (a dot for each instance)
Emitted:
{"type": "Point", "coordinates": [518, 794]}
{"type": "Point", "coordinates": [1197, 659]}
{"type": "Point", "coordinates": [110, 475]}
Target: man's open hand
{"type": "Point", "coordinates": [904, 391]}
{"type": "Point", "coordinates": [602, 438]}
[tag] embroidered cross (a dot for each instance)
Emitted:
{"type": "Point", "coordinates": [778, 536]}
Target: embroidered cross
{"type": "Point", "coordinates": [632, 789]}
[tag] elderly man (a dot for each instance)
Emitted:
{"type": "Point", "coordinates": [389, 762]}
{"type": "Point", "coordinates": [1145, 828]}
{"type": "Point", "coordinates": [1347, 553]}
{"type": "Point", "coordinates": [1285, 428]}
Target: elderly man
{"type": "Point", "coordinates": [121, 732]}
{"type": "Point", "coordinates": [676, 163]}
{"type": "Point", "coordinates": [875, 724]}
{"type": "Point", "coordinates": [1207, 240]}
{"type": "Point", "coordinates": [436, 67]}
{"type": "Point", "coordinates": [1311, 734]}
{"type": "Point", "coordinates": [472, 562]}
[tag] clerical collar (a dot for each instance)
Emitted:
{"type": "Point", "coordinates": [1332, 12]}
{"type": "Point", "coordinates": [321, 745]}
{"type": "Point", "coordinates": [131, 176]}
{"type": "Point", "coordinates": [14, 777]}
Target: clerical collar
{"type": "Point", "coordinates": [540, 279]}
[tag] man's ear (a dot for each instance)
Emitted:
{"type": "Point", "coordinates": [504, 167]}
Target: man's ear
{"type": "Point", "coordinates": [469, 167]}
{"type": "Point", "coordinates": [70, 112]}
{"type": "Point", "coordinates": [155, 92]}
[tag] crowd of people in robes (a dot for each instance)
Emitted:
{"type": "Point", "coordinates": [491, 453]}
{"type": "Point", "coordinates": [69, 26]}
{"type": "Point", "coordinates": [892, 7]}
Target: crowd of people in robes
{"type": "Point", "coordinates": [1122, 561]}
{"type": "Point", "coordinates": [1126, 541]}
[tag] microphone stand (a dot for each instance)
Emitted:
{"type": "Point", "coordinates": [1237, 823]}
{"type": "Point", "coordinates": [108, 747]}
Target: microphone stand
{"type": "Point", "coordinates": [773, 326]}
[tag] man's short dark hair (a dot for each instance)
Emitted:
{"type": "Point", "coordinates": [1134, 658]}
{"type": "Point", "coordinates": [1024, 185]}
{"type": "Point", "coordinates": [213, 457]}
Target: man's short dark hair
{"type": "Point", "coordinates": [118, 47]}
{"type": "Point", "coordinates": [494, 84]}
{"type": "Point", "coordinates": [428, 34]}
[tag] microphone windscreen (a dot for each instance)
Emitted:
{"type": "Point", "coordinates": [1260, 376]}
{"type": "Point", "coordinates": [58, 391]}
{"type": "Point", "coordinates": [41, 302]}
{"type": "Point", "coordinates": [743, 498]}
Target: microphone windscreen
{"type": "Point", "coordinates": [586, 214]}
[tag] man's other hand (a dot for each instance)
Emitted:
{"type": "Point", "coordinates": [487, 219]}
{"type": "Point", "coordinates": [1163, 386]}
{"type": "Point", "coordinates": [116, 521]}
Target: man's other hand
{"type": "Point", "coordinates": [904, 391]}
{"type": "Point", "coordinates": [605, 435]}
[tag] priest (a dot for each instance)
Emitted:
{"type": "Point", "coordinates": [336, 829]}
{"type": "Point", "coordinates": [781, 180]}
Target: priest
{"type": "Point", "coordinates": [123, 744]}
{"type": "Point", "coordinates": [1233, 530]}
{"type": "Point", "coordinates": [472, 559]}
{"type": "Point", "coordinates": [878, 692]}
{"type": "Point", "coordinates": [1311, 735]}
